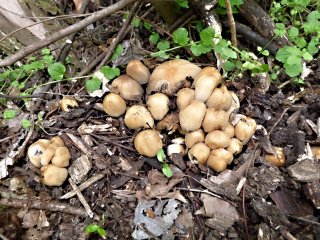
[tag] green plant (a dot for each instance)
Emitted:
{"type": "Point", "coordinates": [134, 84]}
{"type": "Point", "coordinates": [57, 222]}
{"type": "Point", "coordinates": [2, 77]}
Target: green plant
{"type": "Point", "coordinates": [96, 228]}
{"type": "Point", "coordinates": [165, 166]}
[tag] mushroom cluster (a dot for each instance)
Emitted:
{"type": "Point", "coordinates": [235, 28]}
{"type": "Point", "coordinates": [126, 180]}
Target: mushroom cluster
{"type": "Point", "coordinates": [52, 157]}
{"type": "Point", "coordinates": [202, 109]}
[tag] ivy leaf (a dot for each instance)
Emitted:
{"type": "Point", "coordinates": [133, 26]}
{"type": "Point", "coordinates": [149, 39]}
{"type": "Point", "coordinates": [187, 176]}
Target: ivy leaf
{"type": "Point", "coordinates": [160, 155]}
{"type": "Point", "coordinates": [9, 114]}
{"type": "Point", "coordinates": [26, 123]}
{"type": "Point", "coordinates": [307, 56]}
{"type": "Point", "coordinates": [117, 52]}
{"type": "Point", "coordinates": [110, 73]}
{"type": "Point", "coordinates": [199, 49]}
{"type": "Point", "coordinates": [45, 51]}
{"type": "Point", "coordinates": [282, 54]}
{"type": "Point", "coordinates": [301, 42]}
{"type": "Point", "coordinates": [207, 35]}
{"type": "Point", "coordinates": [312, 46]}
{"type": "Point", "coordinates": [167, 170]}
{"type": "Point", "coordinates": [293, 70]}
{"type": "Point", "coordinates": [229, 66]}
{"type": "Point", "coordinates": [180, 36]}
{"type": "Point", "coordinates": [293, 32]}
{"type": "Point", "coordinates": [154, 38]}
{"type": "Point", "coordinates": [56, 71]}
{"type": "Point", "coordinates": [163, 45]}
{"type": "Point", "coordinates": [93, 84]}
{"type": "Point", "coordinates": [183, 3]}
{"type": "Point", "coordinates": [293, 60]}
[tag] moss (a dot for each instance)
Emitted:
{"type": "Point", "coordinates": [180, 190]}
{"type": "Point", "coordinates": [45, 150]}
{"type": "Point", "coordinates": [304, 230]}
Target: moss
{"type": "Point", "coordinates": [46, 5]}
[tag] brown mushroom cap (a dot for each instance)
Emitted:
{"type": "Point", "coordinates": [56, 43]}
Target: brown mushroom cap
{"type": "Point", "coordinates": [168, 75]}
{"type": "Point", "coordinates": [114, 105]}
{"type": "Point", "coordinates": [278, 159]}
{"type": "Point", "coordinates": [67, 103]}
{"type": "Point", "coordinates": [53, 175]}
{"type": "Point", "coordinates": [200, 152]}
{"type": "Point", "coordinates": [148, 143]}
{"type": "Point", "coordinates": [138, 116]}
{"type": "Point", "coordinates": [215, 120]}
{"type": "Point", "coordinates": [138, 71]}
{"type": "Point", "coordinates": [235, 146]}
{"type": "Point", "coordinates": [219, 159]}
{"type": "Point", "coordinates": [36, 150]}
{"type": "Point", "coordinates": [229, 130]}
{"type": "Point", "coordinates": [209, 72]}
{"type": "Point", "coordinates": [158, 105]}
{"type": "Point", "coordinates": [194, 137]}
{"type": "Point", "coordinates": [61, 157]}
{"type": "Point", "coordinates": [191, 117]}
{"type": "Point", "coordinates": [220, 99]}
{"type": "Point", "coordinates": [128, 88]}
{"type": "Point", "coordinates": [217, 139]}
{"type": "Point", "coordinates": [316, 152]}
{"type": "Point", "coordinates": [185, 96]}
{"type": "Point", "coordinates": [245, 129]}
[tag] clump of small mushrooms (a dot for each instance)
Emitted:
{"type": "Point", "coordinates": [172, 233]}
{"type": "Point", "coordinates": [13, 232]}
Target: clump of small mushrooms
{"type": "Point", "coordinates": [52, 157]}
{"type": "Point", "coordinates": [202, 108]}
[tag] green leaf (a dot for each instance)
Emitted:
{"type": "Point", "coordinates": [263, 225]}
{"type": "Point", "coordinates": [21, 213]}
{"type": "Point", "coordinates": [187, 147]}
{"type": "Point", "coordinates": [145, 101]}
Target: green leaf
{"type": "Point", "coordinates": [207, 35]}
{"type": "Point", "coordinates": [5, 75]}
{"type": "Point", "coordinates": [160, 54]}
{"type": "Point", "coordinates": [117, 52]}
{"type": "Point", "coordinates": [110, 73]}
{"type": "Point", "coordinates": [294, 51]}
{"type": "Point", "coordinates": [224, 50]}
{"type": "Point", "coordinates": [45, 51]}
{"type": "Point", "coordinates": [183, 3]}
{"type": "Point", "coordinates": [48, 59]}
{"type": "Point", "coordinates": [199, 26]}
{"type": "Point", "coordinates": [147, 25]}
{"type": "Point", "coordinates": [93, 84]}
{"type": "Point", "coordinates": [9, 114]}
{"type": "Point", "coordinates": [293, 60]}
{"type": "Point", "coordinates": [167, 170]}
{"type": "Point", "coordinates": [293, 70]}
{"type": "Point", "coordinates": [229, 66]}
{"type": "Point", "coordinates": [293, 32]}
{"type": "Point", "coordinates": [56, 71]}
{"type": "Point", "coordinates": [154, 38]}
{"type": "Point", "coordinates": [163, 45]}
{"type": "Point", "coordinates": [92, 228]}
{"type": "Point", "coordinates": [136, 22]}
{"type": "Point", "coordinates": [26, 123]}
{"type": "Point", "coordinates": [312, 46]}
{"type": "Point", "coordinates": [37, 65]}
{"type": "Point", "coordinates": [301, 42]}
{"type": "Point", "coordinates": [160, 155]}
{"type": "Point", "coordinates": [199, 49]}
{"type": "Point", "coordinates": [307, 56]}
{"type": "Point", "coordinates": [102, 232]}
{"type": "Point", "coordinates": [282, 54]}
{"type": "Point", "coordinates": [180, 36]}
{"type": "Point", "coordinates": [280, 26]}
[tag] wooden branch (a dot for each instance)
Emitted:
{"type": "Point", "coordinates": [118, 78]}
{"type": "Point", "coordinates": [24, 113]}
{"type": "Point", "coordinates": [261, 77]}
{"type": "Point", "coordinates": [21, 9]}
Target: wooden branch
{"type": "Point", "coordinates": [65, 32]}
{"type": "Point", "coordinates": [231, 23]}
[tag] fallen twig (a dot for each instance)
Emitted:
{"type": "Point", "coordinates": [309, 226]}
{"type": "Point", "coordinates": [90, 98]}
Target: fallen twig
{"type": "Point", "coordinates": [231, 24]}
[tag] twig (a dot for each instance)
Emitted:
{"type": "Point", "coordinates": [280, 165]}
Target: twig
{"type": "Point", "coordinates": [65, 32]}
{"type": "Point", "coordinates": [231, 23]}
{"type": "Point", "coordinates": [277, 122]}
{"type": "Point", "coordinates": [200, 191]}
{"type": "Point", "coordinates": [81, 198]}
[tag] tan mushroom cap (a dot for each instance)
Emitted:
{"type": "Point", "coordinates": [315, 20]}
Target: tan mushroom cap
{"type": "Point", "coordinates": [158, 105]}
{"type": "Point", "coordinates": [36, 150]}
{"type": "Point", "coordinates": [61, 157]}
{"type": "Point", "coordinates": [138, 116]}
{"type": "Point", "coordinates": [114, 105]}
{"type": "Point", "coordinates": [48, 154]}
{"type": "Point", "coordinates": [191, 117]}
{"type": "Point", "coordinates": [235, 146]}
{"type": "Point", "coordinates": [191, 138]}
{"type": "Point", "coordinates": [316, 151]}
{"type": "Point", "coordinates": [167, 76]}
{"type": "Point", "coordinates": [148, 142]}
{"type": "Point", "coordinates": [200, 152]}
{"type": "Point", "coordinates": [185, 96]}
{"type": "Point", "coordinates": [219, 159]}
{"type": "Point", "coordinates": [138, 71]}
{"type": "Point", "coordinates": [57, 141]}
{"type": "Point", "coordinates": [217, 139]}
{"type": "Point", "coordinates": [67, 103]}
{"type": "Point", "coordinates": [245, 129]}
{"type": "Point", "coordinates": [53, 175]}
{"type": "Point", "coordinates": [128, 88]}
{"type": "Point", "coordinates": [175, 148]}
{"type": "Point", "coordinates": [278, 159]}
{"type": "Point", "coordinates": [229, 130]}
{"type": "Point", "coordinates": [215, 120]}
{"type": "Point", "coordinates": [220, 99]}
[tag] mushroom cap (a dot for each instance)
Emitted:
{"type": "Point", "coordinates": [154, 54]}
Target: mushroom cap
{"type": "Point", "coordinates": [217, 139]}
{"type": "Point", "coordinates": [278, 159]}
{"type": "Point", "coordinates": [57, 141]}
{"type": "Point", "coordinates": [158, 105]}
{"type": "Point", "coordinates": [53, 175]}
{"type": "Point", "coordinates": [148, 142]}
{"type": "Point", "coordinates": [48, 154]}
{"type": "Point", "coordinates": [36, 150]}
{"type": "Point", "coordinates": [209, 72]}
{"type": "Point", "coordinates": [220, 99]}
{"type": "Point", "coordinates": [138, 116]}
{"type": "Point", "coordinates": [245, 129]}
{"type": "Point", "coordinates": [316, 152]}
{"type": "Point", "coordinates": [167, 76]}
{"type": "Point", "coordinates": [61, 157]}
{"type": "Point", "coordinates": [128, 88]}
{"type": "Point", "coordinates": [185, 96]}
{"type": "Point", "coordinates": [67, 103]}
{"type": "Point", "coordinates": [114, 105]}
{"type": "Point", "coordinates": [219, 159]}
{"type": "Point", "coordinates": [138, 71]}
{"type": "Point", "coordinates": [235, 146]}
{"type": "Point", "coordinates": [215, 120]}
{"type": "Point", "coordinates": [194, 137]}
{"type": "Point", "coordinates": [175, 148]}
{"type": "Point", "coordinates": [229, 130]}
{"type": "Point", "coordinates": [200, 152]}
{"type": "Point", "coordinates": [191, 117]}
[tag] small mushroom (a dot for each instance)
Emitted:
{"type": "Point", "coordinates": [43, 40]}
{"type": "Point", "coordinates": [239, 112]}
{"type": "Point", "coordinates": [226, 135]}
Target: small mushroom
{"type": "Point", "coordinates": [114, 105]}
{"type": "Point", "coordinates": [57, 141]}
{"type": "Point", "coordinates": [167, 76]}
{"type": "Point", "coordinates": [205, 82]}
{"type": "Point", "coordinates": [48, 154]}
{"type": "Point", "coordinates": [185, 96]}
{"type": "Point", "coordinates": [278, 159]}
{"type": "Point", "coordinates": [53, 175]}
{"type": "Point", "coordinates": [158, 105]}
{"type": "Point", "coordinates": [36, 150]}
{"type": "Point", "coordinates": [200, 152]}
{"type": "Point", "coordinates": [215, 120]}
{"type": "Point", "coordinates": [61, 157]}
{"type": "Point", "coordinates": [217, 139]}
{"type": "Point", "coordinates": [316, 152]}
{"type": "Point", "coordinates": [148, 142]}
{"type": "Point", "coordinates": [138, 71]}
{"type": "Point", "coordinates": [191, 117]}
{"type": "Point", "coordinates": [138, 116]}
{"type": "Point", "coordinates": [229, 130]}
{"type": "Point", "coordinates": [128, 88]}
{"type": "Point", "coordinates": [220, 99]}
{"type": "Point", "coordinates": [191, 138]}
{"type": "Point", "coordinates": [68, 103]}
{"type": "Point", "coordinates": [175, 148]}
{"type": "Point", "coordinates": [245, 129]}
{"type": "Point", "coordinates": [219, 159]}
{"type": "Point", "coordinates": [235, 146]}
